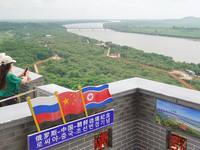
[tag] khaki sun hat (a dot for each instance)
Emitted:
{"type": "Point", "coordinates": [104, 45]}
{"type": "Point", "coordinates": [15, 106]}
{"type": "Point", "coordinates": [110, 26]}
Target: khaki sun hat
{"type": "Point", "coordinates": [6, 60]}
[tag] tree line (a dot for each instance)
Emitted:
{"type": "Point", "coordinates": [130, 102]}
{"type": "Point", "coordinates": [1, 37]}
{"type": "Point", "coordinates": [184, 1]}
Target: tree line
{"type": "Point", "coordinates": [162, 28]}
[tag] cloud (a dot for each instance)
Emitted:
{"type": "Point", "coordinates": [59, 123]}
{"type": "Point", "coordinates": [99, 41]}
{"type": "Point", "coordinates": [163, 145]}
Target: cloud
{"type": "Point", "coordinates": [141, 7]}
{"type": "Point", "coordinates": [21, 4]}
{"type": "Point", "coordinates": [99, 9]}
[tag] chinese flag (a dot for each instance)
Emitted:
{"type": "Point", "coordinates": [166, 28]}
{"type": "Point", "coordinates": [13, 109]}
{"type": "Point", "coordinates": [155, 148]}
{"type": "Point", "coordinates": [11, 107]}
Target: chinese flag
{"type": "Point", "coordinates": [71, 102]}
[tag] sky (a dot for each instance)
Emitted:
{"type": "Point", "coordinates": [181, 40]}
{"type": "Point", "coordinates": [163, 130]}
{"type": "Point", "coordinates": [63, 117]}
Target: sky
{"type": "Point", "coordinates": [98, 9]}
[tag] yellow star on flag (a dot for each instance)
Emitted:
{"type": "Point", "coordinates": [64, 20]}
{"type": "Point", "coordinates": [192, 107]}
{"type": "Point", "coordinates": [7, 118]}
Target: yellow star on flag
{"type": "Point", "coordinates": [66, 101]}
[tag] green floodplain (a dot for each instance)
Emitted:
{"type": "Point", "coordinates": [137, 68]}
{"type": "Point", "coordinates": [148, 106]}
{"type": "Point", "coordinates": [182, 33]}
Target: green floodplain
{"type": "Point", "coordinates": [188, 27]}
{"type": "Point", "coordinates": [82, 64]}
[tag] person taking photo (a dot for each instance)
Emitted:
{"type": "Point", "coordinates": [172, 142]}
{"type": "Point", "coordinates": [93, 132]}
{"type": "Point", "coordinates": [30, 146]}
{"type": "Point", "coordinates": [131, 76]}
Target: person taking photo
{"type": "Point", "coordinates": [9, 82]}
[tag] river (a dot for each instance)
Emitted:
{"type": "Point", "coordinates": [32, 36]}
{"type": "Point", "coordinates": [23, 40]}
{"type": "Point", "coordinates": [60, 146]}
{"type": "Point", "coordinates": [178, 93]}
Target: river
{"type": "Point", "coordinates": [183, 50]}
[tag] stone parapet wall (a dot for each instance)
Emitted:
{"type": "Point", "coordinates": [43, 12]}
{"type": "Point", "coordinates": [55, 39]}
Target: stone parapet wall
{"type": "Point", "coordinates": [123, 128]}
{"type": "Point", "coordinates": [134, 120]}
{"type": "Point", "coordinates": [151, 135]}
{"type": "Point", "coordinates": [124, 107]}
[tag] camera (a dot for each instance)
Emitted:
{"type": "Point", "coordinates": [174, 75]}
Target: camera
{"type": "Point", "coordinates": [25, 71]}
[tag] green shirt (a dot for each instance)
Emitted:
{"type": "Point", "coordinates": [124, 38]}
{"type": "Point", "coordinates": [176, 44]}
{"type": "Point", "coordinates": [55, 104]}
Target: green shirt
{"type": "Point", "coordinates": [12, 82]}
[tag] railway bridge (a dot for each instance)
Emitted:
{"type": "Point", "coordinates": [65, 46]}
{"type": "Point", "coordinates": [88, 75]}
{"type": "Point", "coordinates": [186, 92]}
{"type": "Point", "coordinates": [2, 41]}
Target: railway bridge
{"type": "Point", "coordinates": [85, 27]}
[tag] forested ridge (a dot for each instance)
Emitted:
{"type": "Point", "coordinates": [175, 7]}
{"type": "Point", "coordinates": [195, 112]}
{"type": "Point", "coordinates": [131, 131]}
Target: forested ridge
{"type": "Point", "coordinates": [82, 64]}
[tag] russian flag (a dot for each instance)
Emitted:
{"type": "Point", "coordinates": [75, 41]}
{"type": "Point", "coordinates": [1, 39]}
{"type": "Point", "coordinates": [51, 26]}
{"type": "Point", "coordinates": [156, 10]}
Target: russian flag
{"type": "Point", "coordinates": [96, 96]}
{"type": "Point", "coordinates": [46, 109]}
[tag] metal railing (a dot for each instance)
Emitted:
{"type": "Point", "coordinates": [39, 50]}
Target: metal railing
{"type": "Point", "coordinates": [18, 95]}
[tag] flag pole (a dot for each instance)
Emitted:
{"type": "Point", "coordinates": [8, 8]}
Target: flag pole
{"type": "Point", "coordinates": [63, 118]}
{"type": "Point", "coordinates": [83, 101]}
{"type": "Point", "coordinates": [31, 107]}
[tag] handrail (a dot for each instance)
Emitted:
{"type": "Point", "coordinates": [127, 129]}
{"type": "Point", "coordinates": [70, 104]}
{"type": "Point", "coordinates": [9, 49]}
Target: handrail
{"type": "Point", "coordinates": [16, 95]}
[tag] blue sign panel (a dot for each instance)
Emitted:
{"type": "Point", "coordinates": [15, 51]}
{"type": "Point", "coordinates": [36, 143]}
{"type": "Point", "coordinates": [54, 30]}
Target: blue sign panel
{"type": "Point", "coordinates": [66, 132]}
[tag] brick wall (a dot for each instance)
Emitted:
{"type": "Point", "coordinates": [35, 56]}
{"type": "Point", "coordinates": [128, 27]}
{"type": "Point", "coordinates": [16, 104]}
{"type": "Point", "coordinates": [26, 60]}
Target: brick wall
{"type": "Point", "coordinates": [134, 126]}
{"type": "Point", "coordinates": [123, 128]}
{"type": "Point", "coordinates": [150, 135]}
{"type": "Point", "coordinates": [15, 137]}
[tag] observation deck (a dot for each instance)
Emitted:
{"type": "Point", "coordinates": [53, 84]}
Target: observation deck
{"type": "Point", "coordinates": [134, 126]}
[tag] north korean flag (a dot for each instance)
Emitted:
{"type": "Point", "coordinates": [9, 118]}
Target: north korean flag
{"type": "Point", "coordinates": [96, 96]}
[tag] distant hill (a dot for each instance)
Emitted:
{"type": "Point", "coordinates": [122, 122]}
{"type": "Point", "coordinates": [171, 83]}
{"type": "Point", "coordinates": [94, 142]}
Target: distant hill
{"type": "Point", "coordinates": [189, 19]}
